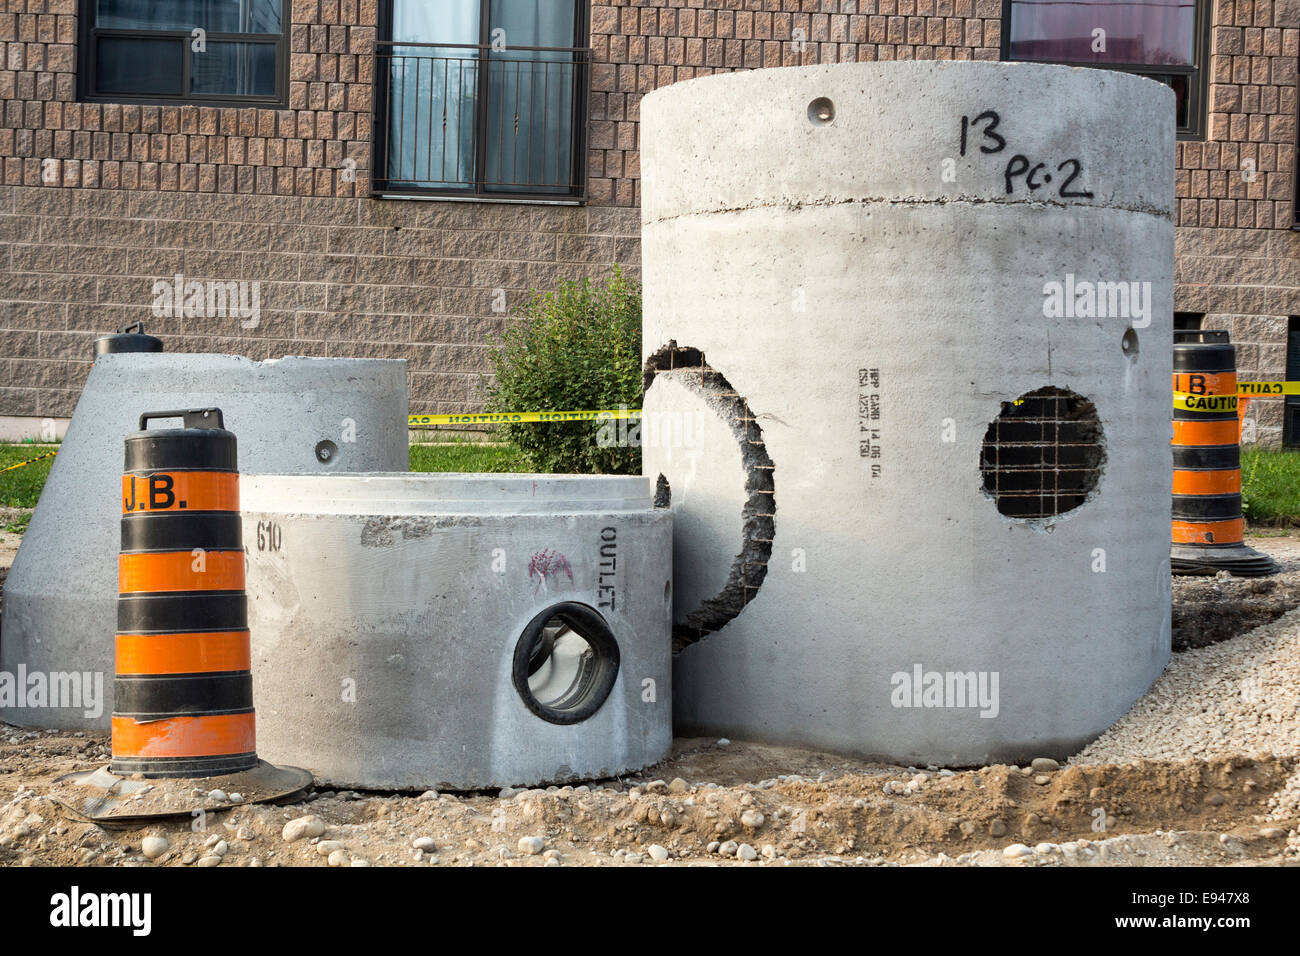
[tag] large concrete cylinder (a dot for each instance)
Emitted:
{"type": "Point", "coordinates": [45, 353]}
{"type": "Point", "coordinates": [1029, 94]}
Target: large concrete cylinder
{"type": "Point", "coordinates": [291, 415]}
{"type": "Point", "coordinates": [391, 617]}
{"type": "Point", "coordinates": [907, 340]}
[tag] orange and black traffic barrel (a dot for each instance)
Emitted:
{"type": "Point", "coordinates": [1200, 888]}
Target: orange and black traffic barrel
{"type": "Point", "coordinates": [1208, 522]}
{"type": "Point", "coordinates": [183, 694]}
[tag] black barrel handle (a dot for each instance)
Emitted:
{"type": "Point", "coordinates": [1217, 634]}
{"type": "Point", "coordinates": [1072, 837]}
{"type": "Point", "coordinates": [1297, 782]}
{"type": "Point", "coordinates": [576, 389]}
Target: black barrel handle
{"type": "Point", "coordinates": [137, 326]}
{"type": "Point", "coordinates": [194, 418]}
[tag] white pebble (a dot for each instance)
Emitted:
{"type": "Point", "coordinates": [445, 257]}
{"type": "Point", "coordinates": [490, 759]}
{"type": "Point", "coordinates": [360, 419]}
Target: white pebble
{"type": "Point", "coordinates": [308, 827]}
{"type": "Point", "coordinates": [531, 845]}
{"type": "Point", "coordinates": [154, 846]}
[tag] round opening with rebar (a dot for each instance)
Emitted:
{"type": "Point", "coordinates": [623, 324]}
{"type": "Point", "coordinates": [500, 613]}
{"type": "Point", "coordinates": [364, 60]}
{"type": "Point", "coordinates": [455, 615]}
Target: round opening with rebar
{"type": "Point", "coordinates": [1043, 455]}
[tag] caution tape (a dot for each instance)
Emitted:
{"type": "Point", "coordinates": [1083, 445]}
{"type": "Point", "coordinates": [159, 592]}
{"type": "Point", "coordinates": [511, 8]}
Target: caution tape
{"type": "Point", "coordinates": [509, 418]}
{"type": "Point", "coordinates": [1265, 389]}
{"type": "Point", "coordinates": [23, 464]}
{"type": "Point", "coordinates": [1185, 401]}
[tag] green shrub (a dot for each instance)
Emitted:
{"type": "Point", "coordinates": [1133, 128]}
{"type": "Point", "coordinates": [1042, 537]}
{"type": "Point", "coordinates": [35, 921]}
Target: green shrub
{"type": "Point", "coordinates": [576, 348]}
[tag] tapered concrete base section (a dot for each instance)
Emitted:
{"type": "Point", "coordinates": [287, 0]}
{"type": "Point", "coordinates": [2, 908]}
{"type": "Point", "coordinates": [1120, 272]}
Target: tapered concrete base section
{"type": "Point", "coordinates": [913, 292]}
{"type": "Point", "coordinates": [387, 612]}
{"type": "Point", "coordinates": [60, 598]}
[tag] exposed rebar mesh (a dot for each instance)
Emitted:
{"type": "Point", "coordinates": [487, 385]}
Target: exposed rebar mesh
{"type": "Point", "coordinates": [749, 567]}
{"type": "Point", "coordinates": [1043, 455]}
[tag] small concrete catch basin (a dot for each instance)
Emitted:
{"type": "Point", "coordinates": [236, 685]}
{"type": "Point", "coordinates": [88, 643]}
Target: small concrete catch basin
{"type": "Point", "coordinates": [459, 631]}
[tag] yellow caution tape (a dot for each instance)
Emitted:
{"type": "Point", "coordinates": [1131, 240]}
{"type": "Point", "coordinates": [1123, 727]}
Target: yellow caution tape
{"type": "Point", "coordinates": [23, 464]}
{"type": "Point", "coordinates": [1205, 403]}
{"type": "Point", "coordinates": [508, 418]}
{"type": "Point", "coordinates": [1264, 389]}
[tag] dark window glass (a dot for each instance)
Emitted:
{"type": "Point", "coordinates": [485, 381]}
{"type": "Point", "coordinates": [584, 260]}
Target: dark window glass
{"type": "Point", "coordinates": [1182, 102]}
{"type": "Point", "coordinates": [205, 51]}
{"type": "Point", "coordinates": [1131, 32]}
{"type": "Point", "coordinates": [530, 97]}
{"type": "Point", "coordinates": [234, 69]}
{"type": "Point", "coordinates": [215, 16]}
{"type": "Point", "coordinates": [131, 65]}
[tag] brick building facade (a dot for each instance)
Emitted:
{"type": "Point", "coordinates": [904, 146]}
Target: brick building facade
{"type": "Point", "coordinates": [99, 200]}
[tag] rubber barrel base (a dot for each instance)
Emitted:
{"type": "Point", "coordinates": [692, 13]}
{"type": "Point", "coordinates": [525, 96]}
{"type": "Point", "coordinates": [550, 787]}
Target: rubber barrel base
{"type": "Point", "coordinates": [158, 767]}
{"type": "Point", "coordinates": [1238, 560]}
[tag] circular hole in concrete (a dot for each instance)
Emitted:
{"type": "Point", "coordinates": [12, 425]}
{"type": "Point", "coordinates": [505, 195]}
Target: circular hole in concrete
{"type": "Point", "coordinates": [326, 451]}
{"type": "Point", "coordinates": [821, 112]}
{"type": "Point", "coordinates": [1043, 455]}
{"type": "Point", "coordinates": [1129, 344]}
{"type": "Point", "coordinates": [565, 664]}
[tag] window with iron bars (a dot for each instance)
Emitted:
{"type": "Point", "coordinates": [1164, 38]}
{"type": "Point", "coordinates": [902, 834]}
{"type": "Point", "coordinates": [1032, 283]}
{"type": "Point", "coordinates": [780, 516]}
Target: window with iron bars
{"type": "Point", "coordinates": [482, 99]}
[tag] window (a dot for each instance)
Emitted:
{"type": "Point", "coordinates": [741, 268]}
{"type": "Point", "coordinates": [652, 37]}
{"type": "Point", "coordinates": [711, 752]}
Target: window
{"type": "Point", "coordinates": [1165, 40]}
{"type": "Point", "coordinates": [482, 99]}
{"type": "Point", "coordinates": [218, 52]}
{"type": "Point", "coordinates": [1291, 404]}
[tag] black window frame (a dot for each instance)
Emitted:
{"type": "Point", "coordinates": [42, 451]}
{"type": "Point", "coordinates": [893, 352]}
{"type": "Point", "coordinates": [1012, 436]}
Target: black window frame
{"type": "Point", "coordinates": [578, 173]}
{"type": "Point", "coordinates": [1198, 89]}
{"type": "Point", "coordinates": [87, 56]}
{"type": "Point", "coordinates": [1295, 169]}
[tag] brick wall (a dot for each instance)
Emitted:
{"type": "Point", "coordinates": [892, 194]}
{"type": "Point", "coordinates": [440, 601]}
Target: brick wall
{"type": "Point", "coordinates": [143, 192]}
{"type": "Point", "coordinates": [1238, 260]}
{"type": "Point", "coordinates": [337, 277]}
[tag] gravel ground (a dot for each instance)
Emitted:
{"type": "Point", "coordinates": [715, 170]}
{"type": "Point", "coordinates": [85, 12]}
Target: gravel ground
{"type": "Point", "coordinates": [1207, 610]}
{"type": "Point", "coordinates": [1240, 696]}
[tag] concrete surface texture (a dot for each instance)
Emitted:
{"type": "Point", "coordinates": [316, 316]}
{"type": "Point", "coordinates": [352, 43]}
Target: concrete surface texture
{"type": "Point", "coordinates": [861, 267]}
{"type": "Point", "coordinates": [386, 612]}
{"type": "Point", "coordinates": [60, 596]}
